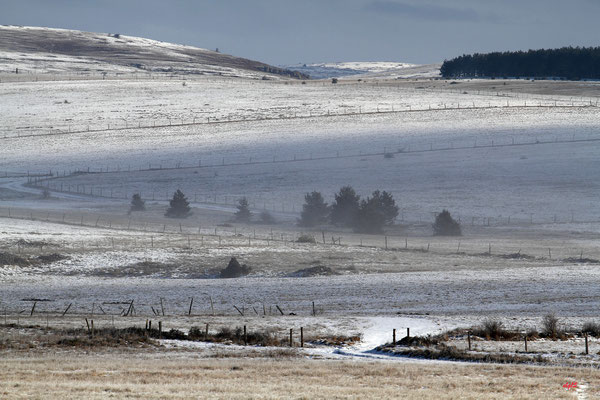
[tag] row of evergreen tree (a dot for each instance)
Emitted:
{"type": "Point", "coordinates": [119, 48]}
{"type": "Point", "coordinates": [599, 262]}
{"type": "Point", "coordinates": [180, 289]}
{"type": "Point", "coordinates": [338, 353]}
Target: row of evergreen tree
{"type": "Point", "coordinates": [368, 215]}
{"type": "Point", "coordinates": [572, 63]}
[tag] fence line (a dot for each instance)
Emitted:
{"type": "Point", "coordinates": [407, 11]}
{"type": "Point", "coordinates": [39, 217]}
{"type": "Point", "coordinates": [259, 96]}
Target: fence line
{"type": "Point", "coordinates": [36, 178]}
{"type": "Point", "coordinates": [190, 236]}
{"type": "Point", "coordinates": [199, 121]}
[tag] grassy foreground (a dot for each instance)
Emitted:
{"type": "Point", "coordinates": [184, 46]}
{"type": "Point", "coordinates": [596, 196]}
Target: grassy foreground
{"type": "Point", "coordinates": [182, 376]}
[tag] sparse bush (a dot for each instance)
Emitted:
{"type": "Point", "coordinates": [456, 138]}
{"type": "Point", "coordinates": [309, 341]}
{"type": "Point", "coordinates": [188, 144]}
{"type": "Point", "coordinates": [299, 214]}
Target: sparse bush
{"type": "Point", "coordinates": [550, 326]}
{"type": "Point", "coordinates": [334, 80]}
{"type": "Point", "coordinates": [179, 207]}
{"type": "Point", "coordinates": [491, 329]}
{"type": "Point", "coordinates": [267, 218]}
{"type": "Point", "coordinates": [137, 204]}
{"type": "Point", "coordinates": [243, 213]}
{"type": "Point", "coordinates": [304, 238]}
{"type": "Point", "coordinates": [591, 328]}
{"type": "Point", "coordinates": [445, 225]}
{"type": "Point", "coordinates": [314, 211]}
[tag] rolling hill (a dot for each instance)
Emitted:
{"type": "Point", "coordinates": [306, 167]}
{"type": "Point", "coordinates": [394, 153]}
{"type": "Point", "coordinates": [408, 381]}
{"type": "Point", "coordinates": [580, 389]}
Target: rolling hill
{"type": "Point", "coordinates": [49, 50]}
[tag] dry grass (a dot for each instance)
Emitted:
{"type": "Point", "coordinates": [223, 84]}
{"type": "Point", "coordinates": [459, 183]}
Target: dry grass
{"type": "Point", "coordinates": [154, 376]}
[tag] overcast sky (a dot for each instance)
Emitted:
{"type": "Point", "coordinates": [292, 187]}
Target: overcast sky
{"type": "Point", "coordinates": [305, 31]}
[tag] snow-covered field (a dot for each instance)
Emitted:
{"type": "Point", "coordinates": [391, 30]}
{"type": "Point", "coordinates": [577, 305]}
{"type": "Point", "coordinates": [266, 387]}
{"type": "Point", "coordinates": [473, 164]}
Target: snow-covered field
{"type": "Point", "coordinates": [367, 70]}
{"type": "Point", "coordinates": [461, 171]}
{"type": "Point", "coordinates": [523, 163]}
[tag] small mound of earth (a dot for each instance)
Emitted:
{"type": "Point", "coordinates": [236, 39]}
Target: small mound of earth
{"type": "Point", "coordinates": [50, 258]}
{"type": "Point", "coordinates": [11, 259]}
{"type": "Point", "coordinates": [235, 270]}
{"type": "Point", "coordinates": [318, 270]}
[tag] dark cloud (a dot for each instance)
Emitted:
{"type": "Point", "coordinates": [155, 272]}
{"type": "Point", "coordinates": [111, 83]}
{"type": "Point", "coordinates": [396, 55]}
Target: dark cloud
{"type": "Point", "coordinates": [428, 12]}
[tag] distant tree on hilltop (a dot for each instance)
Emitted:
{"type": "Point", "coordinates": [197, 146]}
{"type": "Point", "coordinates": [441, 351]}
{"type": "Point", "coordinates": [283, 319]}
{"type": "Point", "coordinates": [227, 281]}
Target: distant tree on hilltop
{"type": "Point", "coordinates": [567, 63]}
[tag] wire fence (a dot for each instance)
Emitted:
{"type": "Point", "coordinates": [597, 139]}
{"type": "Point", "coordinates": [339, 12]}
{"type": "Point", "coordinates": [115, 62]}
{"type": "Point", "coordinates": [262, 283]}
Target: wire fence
{"type": "Point", "coordinates": [23, 132]}
{"type": "Point", "coordinates": [133, 233]}
{"type": "Point", "coordinates": [70, 182]}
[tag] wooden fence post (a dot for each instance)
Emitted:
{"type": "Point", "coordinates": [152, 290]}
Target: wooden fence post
{"type": "Point", "coordinates": [291, 338]}
{"type": "Point", "coordinates": [394, 337]}
{"type": "Point", "coordinates": [469, 339]}
{"type": "Point", "coordinates": [301, 336]}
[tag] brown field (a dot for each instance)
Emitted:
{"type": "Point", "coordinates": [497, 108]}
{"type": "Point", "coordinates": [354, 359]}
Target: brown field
{"type": "Point", "coordinates": [155, 376]}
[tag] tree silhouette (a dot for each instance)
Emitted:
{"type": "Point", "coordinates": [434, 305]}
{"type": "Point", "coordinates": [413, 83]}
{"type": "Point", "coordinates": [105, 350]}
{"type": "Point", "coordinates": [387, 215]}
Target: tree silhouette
{"type": "Point", "coordinates": [137, 204]}
{"type": "Point", "coordinates": [345, 208]}
{"type": "Point", "coordinates": [179, 207]}
{"type": "Point", "coordinates": [566, 63]}
{"type": "Point", "coordinates": [243, 213]}
{"type": "Point", "coordinates": [388, 206]}
{"type": "Point", "coordinates": [376, 211]}
{"type": "Point", "coordinates": [445, 225]}
{"type": "Point", "coordinates": [314, 211]}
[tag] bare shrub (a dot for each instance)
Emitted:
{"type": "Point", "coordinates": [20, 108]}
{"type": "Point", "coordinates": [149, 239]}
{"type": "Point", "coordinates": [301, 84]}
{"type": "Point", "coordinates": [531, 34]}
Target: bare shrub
{"type": "Point", "coordinates": [305, 238]}
{"type": "Point", "coordinates": [550, 326]}
{"type": "Point", "coordinates": [491, 329]}
{"type": "Point", "coordinates": [591, 328]}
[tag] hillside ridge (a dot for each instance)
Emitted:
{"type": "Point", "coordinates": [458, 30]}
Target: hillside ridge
{"type": "Point", "coordinates": [38, 49]}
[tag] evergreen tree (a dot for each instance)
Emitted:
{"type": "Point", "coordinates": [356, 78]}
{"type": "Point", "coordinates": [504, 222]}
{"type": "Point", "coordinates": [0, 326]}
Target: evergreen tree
{"type": "Point", "coordinates": [137, 204]}
{"type": "Point", "coordinates": [565, 63]}
{"type": "Point", "coordinates": [370, 217]}
{"type": "Point", "coordinates": [445, 225]}
{"type": "Point", "coordinates": [388, 206]}
{"type": "Point", "coordinates": [345, 208]}
{"type": "Point", "coordinates": [243, 213]}
{"type": "Point", "coordinates": [179, 207]}
{"type": "Point", "coordinates": [375, 212]}
{"type": "Point", "coordinates": [314, 211]}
